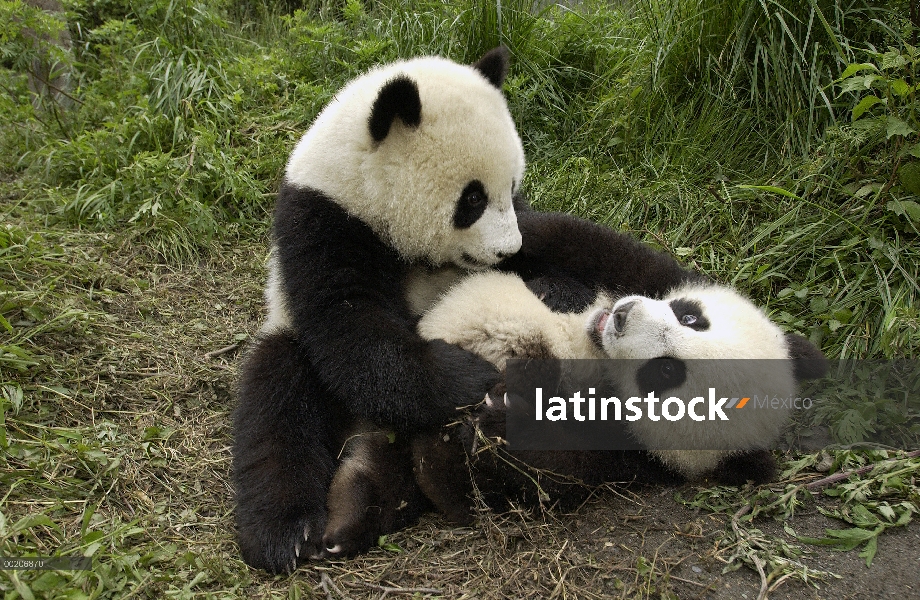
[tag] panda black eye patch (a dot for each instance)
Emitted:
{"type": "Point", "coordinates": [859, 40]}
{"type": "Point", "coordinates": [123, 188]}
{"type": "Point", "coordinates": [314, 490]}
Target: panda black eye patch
{"type": "Point", "coordinates": [660, 375]}
{"type": "Point", "coordinates": [690, 314]}
{"type": "Point", "coordinates": [471, 205]}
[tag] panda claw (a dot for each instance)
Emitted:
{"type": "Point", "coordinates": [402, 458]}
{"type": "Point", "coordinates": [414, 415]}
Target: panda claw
{"type": "Point", "coordinates": [297, 549]}
{"type": "Point", "coordinates": [335, 549]}
{"type": "Point", "coordinates": [507, 403]}
{"type": "Point", "coordinates": [306, 533]}
{"type": "Point", "coordinates": [489, 402]}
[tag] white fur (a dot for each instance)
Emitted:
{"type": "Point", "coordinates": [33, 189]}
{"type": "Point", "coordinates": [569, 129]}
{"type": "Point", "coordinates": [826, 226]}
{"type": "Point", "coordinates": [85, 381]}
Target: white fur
{"type": "Point", "coordinates": [406, 187]}
{"type": "Point", "coordinates": [737, 330]}
{"type": "Point", "coordinates": [496, 316]}
{"type": "Point", "coordinates": [279, 318]}
{"type": "Point", "coordinates": [425, 286]}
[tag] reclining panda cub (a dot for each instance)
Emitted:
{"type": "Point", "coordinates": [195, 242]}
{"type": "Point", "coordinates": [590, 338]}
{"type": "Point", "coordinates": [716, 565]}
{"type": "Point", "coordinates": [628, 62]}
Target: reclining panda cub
{"type": "Point", "coordinates": [499, 317]}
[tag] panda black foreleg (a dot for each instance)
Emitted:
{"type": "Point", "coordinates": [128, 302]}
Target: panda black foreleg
{"type": "Point", "coordinates": [283, 455]}
{"type": "Point", "coordinates": [562, 294]}
{"type": "Point", "coordinates": [565, 248]}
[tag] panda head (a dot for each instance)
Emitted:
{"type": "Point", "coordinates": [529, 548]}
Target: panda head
{"type": "Point", "coordinates": [666, 339]}
{"type": "Point", "coordinates": [692, 321]}
{"type": "Point", "coordinates": [681, 341]}
{"type": "Point", "coordinates": [426, 153]}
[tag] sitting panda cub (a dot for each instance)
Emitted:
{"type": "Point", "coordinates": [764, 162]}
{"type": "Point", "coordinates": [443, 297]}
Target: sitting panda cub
{"type": "Point", "coordinates": [498, 317]}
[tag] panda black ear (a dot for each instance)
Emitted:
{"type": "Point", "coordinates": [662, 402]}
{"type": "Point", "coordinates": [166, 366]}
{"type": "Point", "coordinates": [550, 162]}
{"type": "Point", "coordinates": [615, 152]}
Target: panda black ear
{"type": "Point", "coordinates": [494, 65]}
{"type": "Point", "coordinates": [399, 97]}
{"type": "Point", "coordinates": [808, 361]}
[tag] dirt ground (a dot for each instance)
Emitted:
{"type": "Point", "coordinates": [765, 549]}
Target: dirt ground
{"type": "Point", "coordinates": [142, 362]}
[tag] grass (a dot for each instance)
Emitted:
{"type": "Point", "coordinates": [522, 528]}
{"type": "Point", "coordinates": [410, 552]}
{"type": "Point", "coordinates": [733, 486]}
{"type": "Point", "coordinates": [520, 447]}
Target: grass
{"type": "Point", "coordinates": [772, 145]}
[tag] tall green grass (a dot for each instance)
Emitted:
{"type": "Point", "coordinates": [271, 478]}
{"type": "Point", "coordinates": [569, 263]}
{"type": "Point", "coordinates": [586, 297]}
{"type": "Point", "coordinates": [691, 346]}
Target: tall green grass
{"type": "Point", "coordinates": [729, 133]}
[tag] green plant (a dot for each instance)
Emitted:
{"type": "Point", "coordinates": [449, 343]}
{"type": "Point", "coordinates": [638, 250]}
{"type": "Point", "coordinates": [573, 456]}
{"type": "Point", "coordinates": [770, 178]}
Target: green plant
{"type": "Point", "coordinates": [885, 114]}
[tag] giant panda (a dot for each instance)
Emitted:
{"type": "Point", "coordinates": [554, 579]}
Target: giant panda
{"type": "Point", "coordinates": [409, 169]}
{"type": "Point", "coordinates": [667, 341]}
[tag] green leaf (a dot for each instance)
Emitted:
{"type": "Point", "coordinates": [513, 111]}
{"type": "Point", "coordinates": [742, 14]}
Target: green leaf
{"type": "Point", "coordinates": [93, 536]}
{"type": "Point", "coordinates": [769, 188]}
{"type": "Point", "coordinates": [21, 587]}
{"type": "Point", "coordinates": [893, 60]}
{"type": "Point", "coordinates": [869, 552]}
{"type": "Point", "coordinates": [30, 521]}
{"type": "Point", "coordinates": [886, 511]}
{"type": "Point", "coordinates": [388, 546]}
{"type": "Point", "coordinates": [863, 517]}
{"type": "Point", "coordinates": [818, 304]}
{"type": "Point", "coordinates": [843, 539]}
{"type": "Point", "coordinates": [900, 87]}
{"type": "Point", "coordinates": [864, 105]}
{"type": "Point", "coordinates": [856, 68]}
{"type": "Point", "coordinates": [897, 126]}
{"type": "Point", "coordinates": [88, 511]}
{"type": "Point", "coordinates": [48, 582]}
{"type": "Point", "coordinates": [909, 176]}
{"type": "Point", "coordinates": [905, 208]}
{"type": "Point", "coordinates": [859, 83]}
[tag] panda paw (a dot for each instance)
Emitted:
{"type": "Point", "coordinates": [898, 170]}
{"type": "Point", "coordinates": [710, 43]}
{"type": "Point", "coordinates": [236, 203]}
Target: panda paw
{"type": "Point", "coordinates": [499, 403]}
{"type": "Point", "coordinates": [279, 546]}
{"type": "Point", "coordinates": [467, 377]}
{"type": "Point", "coordinates": [347, 540]}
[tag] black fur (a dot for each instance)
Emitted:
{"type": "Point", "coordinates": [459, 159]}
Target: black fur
{"type": "Point", "coordinates": [367, 503]}
{"type": "Point", "coordinates": [399, 97]}
{"type": "Point", "coordinates": [757, 466]}
{"type": "Point", "coordinates": [472, 204]}
{"type": "Point", "coordinates": [660, 375]}
{"type": "Point", "coordinates": [343, 286]}
{"type": "Point", "coordinates": [808, 361]}
{"type": "Point", "coordinates": [565, 248]}
{"type": "Point", "coordinates": [280, 479]}
{"type": "Point", "coordinates": [684, 308]}
{"type": "Point", "coordinates": [562, 294]}
{"type": "Point", "coordinates": [353, 353]}
{"type": "Point", "coordinates": [494, 65]}
{"type": "Point", "coordinates": [448, 465]}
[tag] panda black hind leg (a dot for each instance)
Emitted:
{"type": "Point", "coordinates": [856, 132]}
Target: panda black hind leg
{"type": "Point", "coordinates": [283, 456]}
{"type": "Point", "coordinates": [372, 493]}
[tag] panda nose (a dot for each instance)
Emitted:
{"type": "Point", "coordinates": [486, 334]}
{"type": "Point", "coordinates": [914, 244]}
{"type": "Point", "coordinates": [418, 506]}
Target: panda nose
{"type": "Point", "coordinates": [619, 316]}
